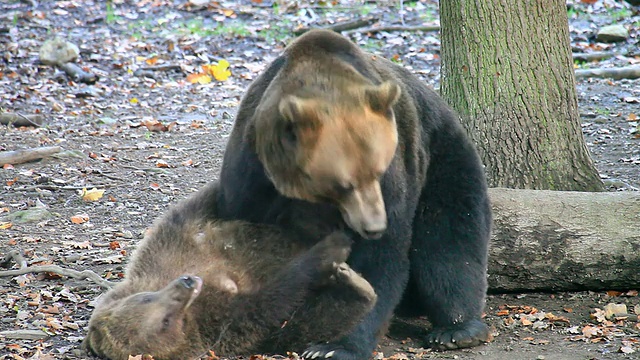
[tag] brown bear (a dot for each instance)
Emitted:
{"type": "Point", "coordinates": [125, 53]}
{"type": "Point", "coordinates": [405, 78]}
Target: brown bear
{"type": "Point", "coordinates": [232, 287]}
{"type": "Point", "coordinates": [353, 139]}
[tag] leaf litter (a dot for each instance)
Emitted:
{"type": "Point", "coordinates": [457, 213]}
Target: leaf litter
{"type": "Point", "coordinates": [144, 135]}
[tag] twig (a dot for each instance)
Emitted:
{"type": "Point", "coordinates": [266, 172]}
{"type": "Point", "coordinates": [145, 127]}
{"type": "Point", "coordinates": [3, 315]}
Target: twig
{"type": "Point", "coordinates": [375, 29]}
{"type": "Point", "coordinates": [627, 72]}
{"type": "Point", "coordinates": [16, 119]}
{"type": "Point", "coordinates": [165, 67]}
{"type": "Point", "coordinates": [85, 274]}
{"type": "Point", "coordinates": [342, 26]}
{"type": "Point", "coordinates": [23, 156]}
{"type": "Point", "coordinates": [55, 187]}
{"type": "Point", "coordinates": [16, 257]}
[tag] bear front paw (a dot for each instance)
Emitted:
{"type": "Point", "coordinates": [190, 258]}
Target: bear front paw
{"type": "Point", "coordinates": [330, 351]}
{"type": "Point", "coordinates": [468, 334]}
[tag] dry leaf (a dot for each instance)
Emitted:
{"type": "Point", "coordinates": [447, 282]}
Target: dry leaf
{"type": "Point", "coordinates": [199, 78]}
{"type": "Point", "coordinates": [79, 219]}
{"type": "Point", "coordinates": [92, 195]}
{"type": "Point", "coordinates": [114, 245]}
{"type": "Point", "coordinates": [11, 182]}
{"type": "Point", "coordinates": [5, 225]}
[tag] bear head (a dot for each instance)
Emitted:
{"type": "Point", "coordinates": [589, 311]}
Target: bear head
{"type": "Point", "coordinates": [331, 146]}
{"type": "Point", "coordinates": [155, 323]}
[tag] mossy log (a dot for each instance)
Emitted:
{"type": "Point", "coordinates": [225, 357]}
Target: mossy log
{"type": "Point", "coordinates": [561, 240]}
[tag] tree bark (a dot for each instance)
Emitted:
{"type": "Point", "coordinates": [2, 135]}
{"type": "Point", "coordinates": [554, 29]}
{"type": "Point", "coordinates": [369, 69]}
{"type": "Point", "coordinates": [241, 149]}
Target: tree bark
{"type": "Point", "coordinates": [507, 69]}
{"type": "Point", "coordinates": [561, 240]}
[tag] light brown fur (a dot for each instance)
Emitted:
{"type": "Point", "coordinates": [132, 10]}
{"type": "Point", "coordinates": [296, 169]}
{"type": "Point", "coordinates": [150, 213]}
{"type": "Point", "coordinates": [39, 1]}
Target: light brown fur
{"type": "Point", "coordinates": [335, 146]}
{"type": "Point", "coordinates": [195, 284]}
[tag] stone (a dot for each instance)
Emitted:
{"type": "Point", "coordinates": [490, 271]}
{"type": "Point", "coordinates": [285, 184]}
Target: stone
{"type": "Point", "coordinates": [58, 51]}
{"type": "Point", "coordinates": [612, 33]}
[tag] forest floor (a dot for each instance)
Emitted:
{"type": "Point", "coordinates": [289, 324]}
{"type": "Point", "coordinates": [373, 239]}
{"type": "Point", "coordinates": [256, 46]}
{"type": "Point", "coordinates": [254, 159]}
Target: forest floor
{"type": "Point", "coordinates": [148, 137]}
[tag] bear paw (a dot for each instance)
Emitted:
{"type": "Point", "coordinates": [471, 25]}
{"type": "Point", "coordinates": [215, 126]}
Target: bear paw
{"type": "Point", "coordinates": [334, 248]}
{"type": "Point", "coordinates": [330, 351]}
{"type": "Point", "coordinates": [468, 334]}
{"type": "Point", "coordinates": [344, 274]}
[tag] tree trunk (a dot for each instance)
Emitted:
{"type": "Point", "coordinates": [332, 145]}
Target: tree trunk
{"type": "Point", "coordinates": [507, 69]}
{"type": "Point", "coordinates": [559, 240]}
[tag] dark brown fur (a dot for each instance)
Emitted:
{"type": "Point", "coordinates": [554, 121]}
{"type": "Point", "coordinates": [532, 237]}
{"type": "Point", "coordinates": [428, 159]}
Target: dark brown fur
{"type": "Point", "coordinates": [332, 130]}
{"type": "Point", "coordinates": [255, 279]}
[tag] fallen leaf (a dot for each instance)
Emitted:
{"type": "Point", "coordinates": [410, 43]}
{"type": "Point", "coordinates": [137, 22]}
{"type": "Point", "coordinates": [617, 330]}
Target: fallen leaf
{"type": "Point", "coordinates": [626, 350]}
{"type": "Point", "coordinates": [79, 219]}
{"type": "Point", "coordinates": [114, 245]}
{"type": "Point", "coordinates": [5, 225]}
{"type": "Point", "coordinates": [199, 78]}
{"type": "Point", "coordinates": [590, 331]}
{"type": "Point", "coordinates": [12, 181]}
{"type": "Point", "coordinates": [220, 71]}
{"type": "Point", "coordinates": [92, 195]}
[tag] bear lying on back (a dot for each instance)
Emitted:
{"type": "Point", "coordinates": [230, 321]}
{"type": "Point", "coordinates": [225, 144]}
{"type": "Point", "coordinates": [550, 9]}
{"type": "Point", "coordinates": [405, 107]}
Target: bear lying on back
{"type": "Point", "coordinates": [228, 286]}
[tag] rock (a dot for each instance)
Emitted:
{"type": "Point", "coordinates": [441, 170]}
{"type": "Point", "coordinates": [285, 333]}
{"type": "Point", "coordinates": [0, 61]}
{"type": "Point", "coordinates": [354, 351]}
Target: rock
{"type": "Point", "coordinates": [30, 215]}
{"type": "Point", "coordinates": [58, 51]}
{"type": "Point", "coordinates": [612, 33]}
{"type": "Point", "coordinates": [613, 310]}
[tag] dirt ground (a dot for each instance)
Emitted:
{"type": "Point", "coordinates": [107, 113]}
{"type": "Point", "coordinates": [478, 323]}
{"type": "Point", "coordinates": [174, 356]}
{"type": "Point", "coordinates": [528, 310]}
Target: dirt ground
{"type": "Point", "coordinates": [148, 137]}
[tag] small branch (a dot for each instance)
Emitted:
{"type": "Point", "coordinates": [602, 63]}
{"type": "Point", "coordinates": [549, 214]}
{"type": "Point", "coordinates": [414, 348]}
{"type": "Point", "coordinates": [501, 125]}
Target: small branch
{"type": "Point", "coordinates": [16, 119]}
{"type": "Point", "coordinates": [76, 73]}
{"type": "Point", "coordinates": [23, 156]}
{"type": "Point", "coordinates": [594, 56]}
{"type": "Point", "coordinates": [627, 72]}
{"type": "Point", "coordinates": [165, 67]}
{"type": "Point", "coordinates": [16, 257]}
{"type": "Point", "coordinates": [375, 29]}
{"type": "Point", "coordinates": [85, 274]}
{"type": "Point", "coordinates": [342, 26]}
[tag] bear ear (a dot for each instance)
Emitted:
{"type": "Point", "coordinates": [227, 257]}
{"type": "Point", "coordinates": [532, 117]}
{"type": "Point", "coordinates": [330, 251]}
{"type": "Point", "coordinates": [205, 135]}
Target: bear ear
{"type": "Point", "coordinates": [292, 108]}
{"type": "Point", "coordinates": [382, 97]}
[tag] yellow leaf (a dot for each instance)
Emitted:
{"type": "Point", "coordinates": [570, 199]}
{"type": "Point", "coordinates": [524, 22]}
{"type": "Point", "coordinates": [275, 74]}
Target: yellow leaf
{"type": "Point", "coordinates": [220, 71]}
{"type": "Point", "coordinates": [92, 195]}
{"type": "Point", "coordinates": [152, 61]}
{"type": "Point", "coordinates": [199, 78]}
{"type": "Point", "coordinates": [5, 225]}
{"type": "Point", "coordinates": [134, 101]}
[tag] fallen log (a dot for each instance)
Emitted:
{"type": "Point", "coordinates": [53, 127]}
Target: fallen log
{"type": "Point", "coordinates": [341, 26]}
{"type": "Point", "coordinates": [77, 74]}
{"type": "Point", "coordinates": [376, 29]}
{"type": "Point", "coordinates": [563, 241]}
{"type": "Point", "coordinates": [626, 72]}
{"type": "Point", "coordinates": [16, 119]}
{"type": "Point", "coordinates": [23, 156]}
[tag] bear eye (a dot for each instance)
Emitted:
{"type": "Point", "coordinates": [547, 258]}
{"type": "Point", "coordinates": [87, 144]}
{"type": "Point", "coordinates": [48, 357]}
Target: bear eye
{"type": "Point", "coordinates": [165, 323]}
{"type": "Point", "coordinates": [342, 189]}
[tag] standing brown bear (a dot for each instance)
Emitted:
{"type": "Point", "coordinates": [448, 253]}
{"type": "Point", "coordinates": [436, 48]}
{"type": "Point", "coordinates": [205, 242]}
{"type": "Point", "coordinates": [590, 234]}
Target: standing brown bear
{"type": "Point", "coordinates": [333, 130]}
{"type": "Point", "coordinates": [248, 289]}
